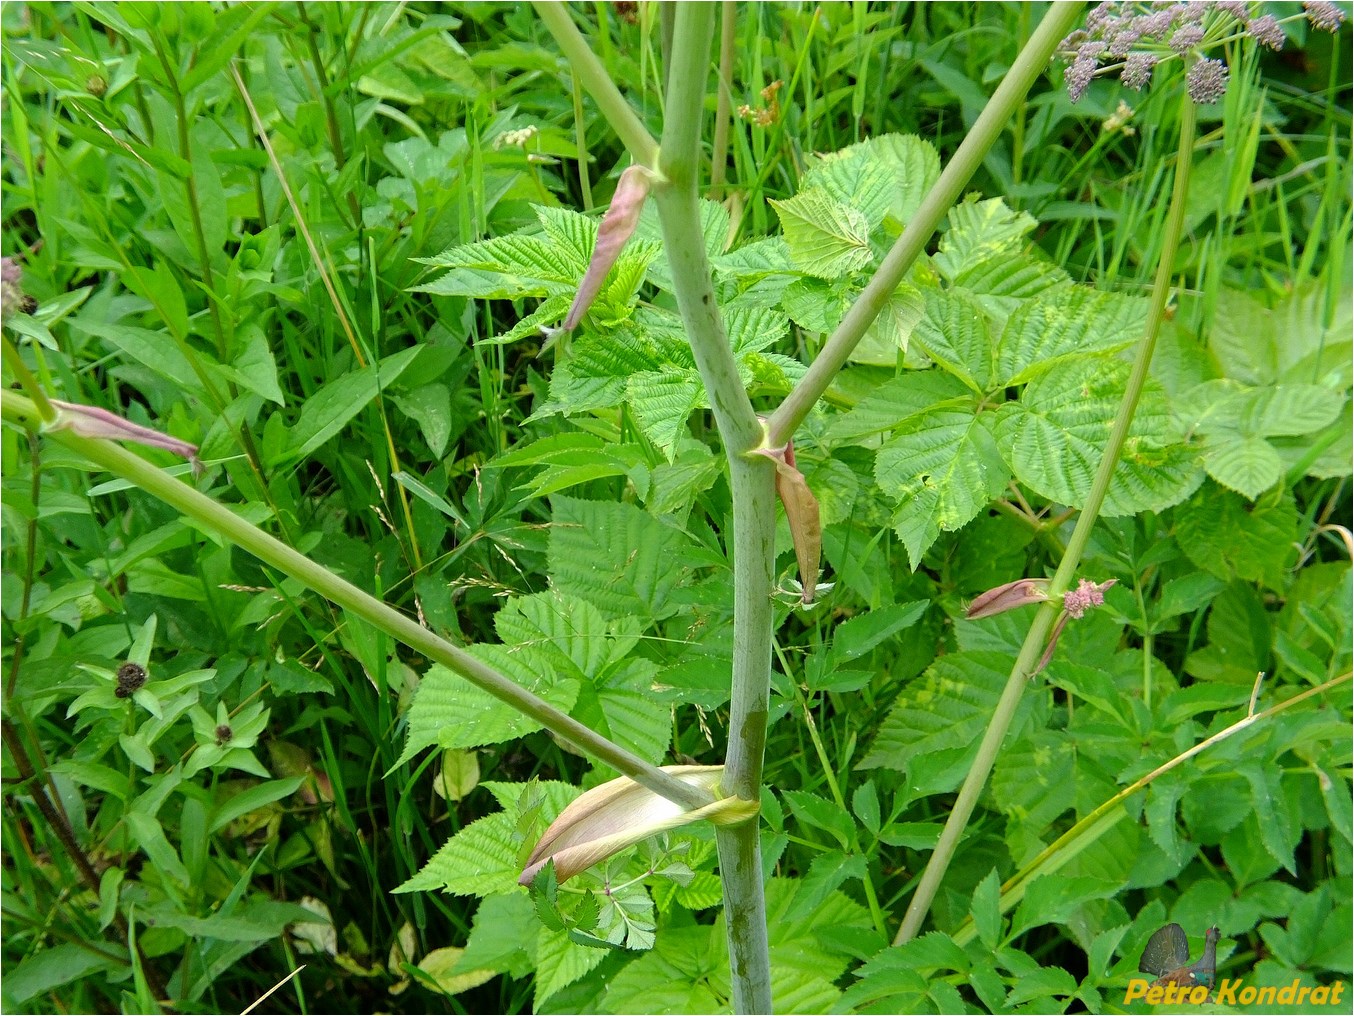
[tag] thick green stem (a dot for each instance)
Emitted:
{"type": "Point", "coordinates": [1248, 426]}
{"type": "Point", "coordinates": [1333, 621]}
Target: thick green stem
{"type": "Point", "coordinates": [1038, 633]}
{"type": "Point", "coordinates": [207, 513]}
{"type": "Point", "coordinates": [752, 484]}
{"type": "Point", "coordinates": [994, 119]}
{"type": "Point", "coordinates": [589, 71]}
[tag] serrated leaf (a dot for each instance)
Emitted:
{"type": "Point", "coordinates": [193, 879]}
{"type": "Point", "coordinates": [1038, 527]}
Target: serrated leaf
{"type": "Point", "coordinates": [942, 468]}
{"type": "Point", "coordinates": [888, 175]}
{"type": "Point", "coordinates": [948, 707]}
{"type": "Point", "coordinates": [897, 401]}
{"type": "Point", "coordinates": [1065, 324]}
{"type": "Point", "coordinates": [1001, 284]}
{"type": "Point", "coordinates": [1247, 464]}
{"type": "Point", "coordinates": [617, 225]}
{"type": "Point", "coordinates": [826, 873]}
{"type": "Point", "coordinates": [978, 231]}
{"type": "Point", "coordinates": [986, 909]}
{"type": "Point", "coordinates": [1277, 831]}
{"type": "Point", "coordinates": [450, 712]}
{"type": "Point", "coordinates": [826, 238]}
{"type": "Point", "coordinates": [616, 555]}
{"type": "Point", "coordinates": [859, 635]}
{"type": "Point", "coordinates": [820, 813]}
{"type": "Point", "coordinates": [1223, 535]}
{"type": "Point", "coordinates": [1055, 436]}
{"type": "Point", "coordinates": [506, 268]}
{"type": "Point", "coordinates": [560, 961]}
{"type": "Point", "coordinates": [1053, 899]}
{"type": "Point", "coordinates": [953, 331]}
{"type": "Point", "coordinates": [482, 858]}
{"type": "Point", "coordinates": [662, 401]}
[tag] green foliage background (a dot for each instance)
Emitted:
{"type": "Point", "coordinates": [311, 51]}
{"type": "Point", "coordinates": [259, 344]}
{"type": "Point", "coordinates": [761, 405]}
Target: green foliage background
{"type": "Point", "coordinates": [357, 351]}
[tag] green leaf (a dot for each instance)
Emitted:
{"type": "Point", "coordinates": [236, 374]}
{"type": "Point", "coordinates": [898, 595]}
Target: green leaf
{"type": "Point", "coordinates": [979, 231]}
{"type": "Point", "coordinates": [150, 837]}
{"type": "Point", "coordinates": [986, 909]}
{"type": "Point", "coordinates": [826, 238]}
{"type": "Point", "coordinates": [862, 633]}
{"type": "Point", "coordinates": [662, 401]}
{"type": "Point", "coordinates": [1056, 435]}
{"type": "Point", "coordinates": [560, 961]}
{"type": "Point", "coordinates": [328, 411]}
{"type": "Point", "coordinates": [450, 712]}
{"type": "Point", "coordinates": [1247, 464]}
{"type": "Point", "coordinates": [1065, 324]}
{"type": "Point", "coordinates": [887, 175]}
{"type": "Point", "coordinates": [430, 407]}
{"type": "Point", "coordinates": [50, 968]}
{"type": "Point", "coordinates": [619, 557]}
{"type": "Point", "coordinates": [947, 708]}
{"type": "Point", "coordinates": [942, 468]}
{"type": "Point", "coordinates": [953, 331]}
{"type": "Point", "coordinates": [896, 402]}
{"type": "Point", "coordinates": [826, 873]}
{"type": "Point", "coordinates": [1001, 284]}
{"type": "Point", "coordinates": [482, 858]}
{"type": "Point", "coordinates": [1225, 536]}
{"type": "Point", "coordinates": [820, 813]}
{"type": "Point", "coordinates": [507, 268]}
{"type": "Point", "coordinates": [252, 799]}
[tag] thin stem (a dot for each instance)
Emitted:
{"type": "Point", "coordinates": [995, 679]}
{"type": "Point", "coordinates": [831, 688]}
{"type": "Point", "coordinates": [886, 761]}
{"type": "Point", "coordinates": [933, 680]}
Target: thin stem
{"type": "Point", "coordinates": [206, 512]}
{"type": "Point", "coordinates": [594, 78]}
{"type": "Point", "coordinates": [1076, 545]}
{"type": "Point", "coordinates": [728, 21]}
{"type": "Point", "coordinates": [752, 484]}
{"type": "Point", "coordinates": [1104, 817]}
{"type": "Point", "coordinates": [994, 119]}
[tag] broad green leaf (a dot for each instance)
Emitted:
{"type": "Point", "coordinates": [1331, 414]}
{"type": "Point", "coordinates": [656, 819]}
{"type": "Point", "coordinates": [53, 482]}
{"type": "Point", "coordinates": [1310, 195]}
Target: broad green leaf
{"type": "Point", "coordinates": [252, 799]}
{"type": "Point", "coordinates": [979, 231]}
{"type": "Point", "coordinates": [685, 972]}
{"type": "Point", "coordinates": [826, 873]}
{"type": "Point", "coordinates": [622, 559]}
{"type": "Point", "coordinates": [1225, 536]}
{"type": "Point", "coordinates": [450, 712]}
{"type": "Point", "coordinates": [482, 859]}
{"type": "Point", "coordinates": [155, 349]}
{"type": "Point", "coordinates": [560, 961]}
{"type": "Point", "coordinates": [1067, 323]}
{"type": "Point", "coordinates": [330, 408]}
{"type": "Point", "coordinates": [50, 968]}
{"type": "Point", "coordinates": [986, 909]}
{"type": "Point", "coordinates": [430, 407]}
{"type": "Point", "coordinates": [662, 401]}
{"type": "Point", "coordinates": [888, 175]}
{"type": "Point", "coordinates": [890, 333]}
{"type": "Point", "coordinates": [502, 936]}
{"type": "Point", "coordinates": [858, 635]}
{"type": "Point", "coordinates": [1001, 284]}
{"type": "Point", "coordinates": [1056, 434]}
{"type": "Point", "coordinates": [942, 468]}
{"type": "Point", "coordinates": [826, 238]}
{"type": "Point", "coordinates": [947, 708]}
{"type": "Point", "coordinates": [820, 813]}
{"type": "Point", "coordinates": [896, 402]}
{"type": "Point", "coordinates": [255, 367]}
{"type": "Point", "coordinates": [953, 331]}
{"type": "Point", "coordinates": [507, 268]}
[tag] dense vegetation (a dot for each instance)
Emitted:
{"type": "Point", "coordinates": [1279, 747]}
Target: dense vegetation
{"type": "Point", "coordinates": [326, 244]}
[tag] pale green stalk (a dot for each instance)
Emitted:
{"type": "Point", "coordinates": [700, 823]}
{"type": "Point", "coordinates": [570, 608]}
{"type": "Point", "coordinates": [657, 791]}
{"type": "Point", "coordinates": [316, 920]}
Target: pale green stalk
{"type": "Point", "coordinates": [995, 117]}
{"type": "Point", "coordinates": [597, 82]}
{"type": "Point", "coordinates": [752, 483]}
{"type": "Point", "coordinates": [1036, 639]}
{"type": "Point", "coordinates": [216, 517]}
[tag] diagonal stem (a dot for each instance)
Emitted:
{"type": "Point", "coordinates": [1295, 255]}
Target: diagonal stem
{"type": "Point", "coordinates": [1035, 640]}
{"type": "Point", "coordinates": [998, 112]}
{"type": "Point", "coordinates": [207, 513]}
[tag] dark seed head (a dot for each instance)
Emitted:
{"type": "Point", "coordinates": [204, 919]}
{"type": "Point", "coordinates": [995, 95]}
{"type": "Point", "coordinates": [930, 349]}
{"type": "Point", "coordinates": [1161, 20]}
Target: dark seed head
{"type": "Point", "coordinates": [131, 676]}
{"type": "Point", "coordinates": [224, 733]}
